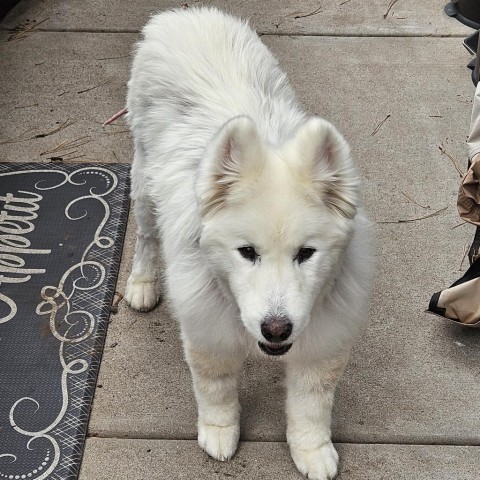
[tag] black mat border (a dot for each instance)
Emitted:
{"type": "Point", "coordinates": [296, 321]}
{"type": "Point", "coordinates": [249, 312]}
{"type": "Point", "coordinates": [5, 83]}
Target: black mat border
{"type": "Point", "coordinates": [122, 171]}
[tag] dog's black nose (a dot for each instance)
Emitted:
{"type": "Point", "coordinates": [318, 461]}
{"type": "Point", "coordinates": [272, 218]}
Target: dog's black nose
{"type": "Point", "coordinates": [276, 329]}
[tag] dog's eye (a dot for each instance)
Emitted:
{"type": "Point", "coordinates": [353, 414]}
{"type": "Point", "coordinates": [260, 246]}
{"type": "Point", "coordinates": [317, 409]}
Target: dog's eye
{"type": "Point", "coordinates": [248, 253]}
{"type": "Point", "coordinates": [304, 254]}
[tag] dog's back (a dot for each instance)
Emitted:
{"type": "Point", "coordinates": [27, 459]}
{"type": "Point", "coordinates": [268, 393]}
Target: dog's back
{"type": "Point", "coordinates": [199, 67]}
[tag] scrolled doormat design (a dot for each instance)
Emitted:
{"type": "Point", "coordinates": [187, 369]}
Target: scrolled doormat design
{"type": "Point", "coordinates": [61, 236]}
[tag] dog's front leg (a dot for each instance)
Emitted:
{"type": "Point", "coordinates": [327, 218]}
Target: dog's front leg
{"type": "Point", "coordinates": [310, 391]}
{"type": "Point", "coordinates": [215, 382]}
{"type": "Point", "coordinates": [143, 290]}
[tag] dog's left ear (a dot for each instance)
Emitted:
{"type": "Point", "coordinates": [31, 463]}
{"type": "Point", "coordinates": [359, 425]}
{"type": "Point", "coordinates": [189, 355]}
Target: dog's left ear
{"type": "Point", "coordinates": [322, 157]}
{"type": "Point", "coordinates": [234, 157]}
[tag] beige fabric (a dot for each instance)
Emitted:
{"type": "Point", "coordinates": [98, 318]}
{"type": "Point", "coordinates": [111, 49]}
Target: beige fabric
{"type": "Point", "coordinates": [461, 303]}
{"type": "Point", "coordinates": [468, 202]}
{"type": "Point", "coordinates": [474, 137]}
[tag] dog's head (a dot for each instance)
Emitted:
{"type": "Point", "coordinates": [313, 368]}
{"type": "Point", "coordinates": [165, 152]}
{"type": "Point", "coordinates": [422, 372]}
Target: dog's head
{"type": "Point", "coordinates": [276, 220]}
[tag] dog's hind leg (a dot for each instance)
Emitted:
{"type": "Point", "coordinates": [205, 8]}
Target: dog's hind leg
{"type": "Point", "coordinates": [215, 382]}
{"type": "Point", "coordinates": [143, 289]}
{"type": "Point", "coordinates": [310, 391]}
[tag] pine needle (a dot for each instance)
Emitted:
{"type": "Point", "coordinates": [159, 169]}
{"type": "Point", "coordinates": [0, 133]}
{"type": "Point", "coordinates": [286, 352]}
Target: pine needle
{"type": "Point", "coordinates": [68, 144]}
{"type": "Point", "coordinates": [25, 30]}
{"type": "Point", "coordinates": [109, 79]}
{"type": "Point", "coordinates": [318, 10]}
{"type": "Point", "coordinates": [116, 133]}
{"type": "Point", "coordinates": [379, 126]}
{"type": "Point", "coordinates": [453, 160]}
{"type": "Point", "coordinates": [18, 138]}
{"type": "Point", "coordinates": [465, 252]}
{"type": "Point", "coordinates": [409, 220]}
{"type": "Point", "coordinates": [65, 124]}
{"type": "Point", "coordinates": [17, 107]}
{"type": "Point", "coordinates": [409, 197]}
{"type": "Point", "coordinates": [390, 5]}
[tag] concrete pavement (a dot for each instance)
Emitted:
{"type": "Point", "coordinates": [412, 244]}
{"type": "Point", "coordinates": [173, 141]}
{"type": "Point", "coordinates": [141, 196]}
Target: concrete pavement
{"type": "Point", "coordinates": [305, 17]}
{"type": "Point", "coordinates": [182, 460]}
{"type": "Point", "coordinates": [413, 379]}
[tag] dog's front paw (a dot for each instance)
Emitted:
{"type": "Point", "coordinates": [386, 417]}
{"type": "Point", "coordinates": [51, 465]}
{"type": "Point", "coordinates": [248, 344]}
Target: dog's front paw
{"type": "Point", "coordinates": [316, 464]}
{"type": "Point", "coordinates": [219, 442]}
{"type": "Point", "coordinates": [142, 294]}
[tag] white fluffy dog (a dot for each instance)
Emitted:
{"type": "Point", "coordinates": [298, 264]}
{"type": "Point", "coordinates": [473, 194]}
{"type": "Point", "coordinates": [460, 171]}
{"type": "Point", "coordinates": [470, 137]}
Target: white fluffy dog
{"type": "Point", "coordinates": [256, 207]}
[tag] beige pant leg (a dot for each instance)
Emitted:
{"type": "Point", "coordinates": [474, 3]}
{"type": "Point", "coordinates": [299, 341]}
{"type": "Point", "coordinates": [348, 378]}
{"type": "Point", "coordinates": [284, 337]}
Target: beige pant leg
{"type": "Point", "coordinates": [474, 137]}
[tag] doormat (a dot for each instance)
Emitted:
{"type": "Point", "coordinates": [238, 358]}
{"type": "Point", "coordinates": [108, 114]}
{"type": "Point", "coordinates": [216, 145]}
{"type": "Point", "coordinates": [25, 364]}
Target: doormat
{"type": "Point", "coordinates": [61, 237]}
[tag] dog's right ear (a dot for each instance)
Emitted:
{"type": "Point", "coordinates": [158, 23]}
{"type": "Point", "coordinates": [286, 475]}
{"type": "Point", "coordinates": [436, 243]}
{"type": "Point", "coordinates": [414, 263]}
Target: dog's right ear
{"type": "Point", "coordinates": [234, 158]}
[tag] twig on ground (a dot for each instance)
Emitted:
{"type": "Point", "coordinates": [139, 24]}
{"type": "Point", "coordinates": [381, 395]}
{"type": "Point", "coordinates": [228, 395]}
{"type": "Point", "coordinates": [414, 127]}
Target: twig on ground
{"type": "Point", "coordinates": [459, 225]}
{"type": "Point", "coordinates": [343, 3]}
{"type": "Point", "coordinates": [409, 220]}
{"type": "Point", "coordinates": [109, 79]}
{"type": "Point", "coordinates": [318, 10]}
{"type": "Point", "coordinates": [63, 93]}
{"type": "Point", "coordinates": [409, 197]}
{"type": "Point", "coordinates": [390, 5]}
{"type": "Point", "coordinates": [379, 126]}
{"type": "Point", "coordinates": [453, 160]}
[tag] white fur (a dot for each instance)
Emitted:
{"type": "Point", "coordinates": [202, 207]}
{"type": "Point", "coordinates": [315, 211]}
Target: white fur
{"type": "Point", "coordinates": [225, 158]}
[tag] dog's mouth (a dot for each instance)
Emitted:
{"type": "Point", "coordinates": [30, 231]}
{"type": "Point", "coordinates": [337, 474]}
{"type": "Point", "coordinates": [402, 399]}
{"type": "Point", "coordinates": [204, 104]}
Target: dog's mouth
{"type": "Point", "coordinates": [274, 350]}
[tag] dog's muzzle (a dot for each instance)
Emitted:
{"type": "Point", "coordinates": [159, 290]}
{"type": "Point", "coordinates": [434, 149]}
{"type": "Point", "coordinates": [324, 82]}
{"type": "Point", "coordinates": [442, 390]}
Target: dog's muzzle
{"type": "Point", "coordinates": [274, 350]}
